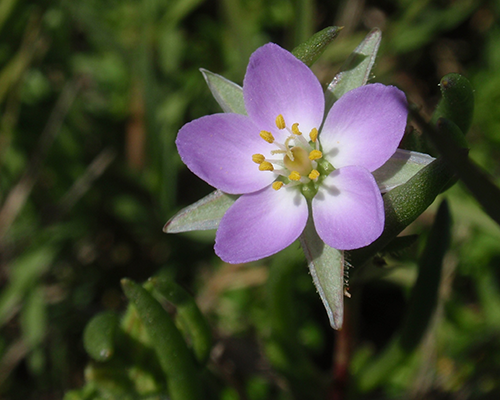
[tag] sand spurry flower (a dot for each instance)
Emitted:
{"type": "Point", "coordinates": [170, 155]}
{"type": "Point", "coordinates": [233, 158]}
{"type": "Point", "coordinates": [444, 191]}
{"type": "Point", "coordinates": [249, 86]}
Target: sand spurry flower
{"type": "Point", "coordinates": [287, 160]}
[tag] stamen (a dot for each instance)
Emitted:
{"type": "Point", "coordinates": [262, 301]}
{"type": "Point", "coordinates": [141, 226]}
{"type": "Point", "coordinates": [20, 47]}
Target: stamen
{"type": "Point", "coordinates": [295, 129]}
{"type": "Point", "coordinates": [267, 136]}
{"type": "Point", "coordinates": [315, 155]}
{"type": "Point", "coordinates": [313, 175]}
{"type": "Point", "coordinates": [258, 158]}
{"type": "Point", "coordinates": [294, 176]}
{"type": "Point", "coordinates": [277, 185]}
{"type": "Point", "coordinates": [266, 166]}
{"type": "Point", "coordinates": [313, 135]}
{"type": "Point", "coordinates": [280, 122]}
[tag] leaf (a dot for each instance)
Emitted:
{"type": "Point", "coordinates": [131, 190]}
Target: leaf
{"type": "Point", "coordinates": [203, 215]}
{"type": "Point", "coordinates": [327, 269]}
{"type": "Point", "coordinates": [309, 51]}
{"type": "Point", "coordinates": [228, 94]}
{"type": "Point", "coordinates": [403, 165]}
{"type": "Point", "coordinates": [425, 293]}
{"type": "Point", "coordinates": [356, 70]}
{"type": "Point", "coordinates": [457, 101]}
{"type": "Point", "coordinates": [25, 272]}
{"type": "Point", "coordinates": [99, 336]}
{"type": "Point", "coordinates": [422, 304]}
{"type": "Point", "coordinates": [174, 356]}
{"type": "Point", "coordinates": [189, 315]}
{"type": "Point", "coordinates": [448, 140]}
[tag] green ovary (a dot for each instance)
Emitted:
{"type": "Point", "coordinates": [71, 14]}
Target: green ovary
{"type": "Point", "coordinates": [300, 163]}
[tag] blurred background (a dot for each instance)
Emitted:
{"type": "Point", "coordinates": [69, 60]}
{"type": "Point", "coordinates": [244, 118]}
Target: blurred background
{"type": "Point", "coordinates": [92, 94]}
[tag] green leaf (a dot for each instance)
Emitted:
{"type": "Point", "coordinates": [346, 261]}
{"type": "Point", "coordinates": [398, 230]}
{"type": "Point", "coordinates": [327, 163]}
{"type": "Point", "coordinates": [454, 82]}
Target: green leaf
{"type": "Point", "coordinates": [425, 293]}
{"type": "Point", "coordinates": [202, 215]}
{"type": "Point", "coordinates": [422, 304]}
{"type": "Point", "coordinates": [356, 70]}
{"type": "Point", "coordinates": [327, 269]}
{"type": "Point", "coordinates": [189, 315]}
{"type": "Point", "coordinates": [99, 336]}
{"type": "Point", "coordinates": [309, 51]}
{"type": "Point", "coordinates": [25, 271]}
{"type": "Point", "coordinates": [457, 101]}
{"type": "Point", "coordinates": [402, 166]}
{"type": "Point", "coordinates": [449, 141]}
{"type": "Point", "coordinates": [228, 94]}
{"type": "Point", "coordinates": [175, 358]}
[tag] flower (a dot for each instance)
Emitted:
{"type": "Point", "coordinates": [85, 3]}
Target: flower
{"type": "Point", "coordinates": [287, 161]}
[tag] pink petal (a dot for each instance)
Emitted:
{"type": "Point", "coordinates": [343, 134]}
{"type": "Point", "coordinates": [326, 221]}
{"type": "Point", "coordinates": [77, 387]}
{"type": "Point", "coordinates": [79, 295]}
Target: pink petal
{"type": "Point", "coordinates": [218, 148]}
{"type": "Point", "coordinates": [276, 82]}
{"type": "Point", "coordinates": [364, 127]}
{"type": "Point", "coordinates": [261, 224]}
{"type": "Point", "coordinates": [348, 211]}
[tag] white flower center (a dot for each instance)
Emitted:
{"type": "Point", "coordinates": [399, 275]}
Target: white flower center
{"type": "Point", "coordinates": [298, 162]}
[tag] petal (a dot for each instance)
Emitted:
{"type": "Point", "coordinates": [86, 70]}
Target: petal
{"type": "Point", "coordinates": [348, 211]}
{"type": "Point", "coordinates": [261, 224]}
{"type": "Point", "coordinates": [276, 82]}
{"type": "Point", "coordinates": [218, 148]}
{"type": "Point", "coordinates": [364, 127]}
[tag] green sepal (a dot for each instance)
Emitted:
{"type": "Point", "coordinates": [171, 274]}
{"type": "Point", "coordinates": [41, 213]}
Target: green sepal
{"type": "Point", "coordinates": [457, 101]}
{"type": "Point", "coordinates": [188, 314]}
{"type": "Point", "coordinates": [173, 354]}
{"type": "Point", "coordinates": [203, 215]}
{"type": "Point", "coordinates": [100, 334]}
{"type": "Point", "coordinates": [356, 70]}
{"type": "Point", "coordinates": [326, 265]}
{"type": "Point", "coordinates": [309, 51]}
{"type": "Point", "coordinates": [400, 168]}
{"type": "Point", "coordinates": [228, 94]}
{"type": "Point", "coordinates": [404, 204]}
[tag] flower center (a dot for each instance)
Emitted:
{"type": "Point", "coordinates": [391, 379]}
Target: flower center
{"type": "Point", "coordinates": [300, 162]}
{"type": "Point", "coordinates": [297, 158]}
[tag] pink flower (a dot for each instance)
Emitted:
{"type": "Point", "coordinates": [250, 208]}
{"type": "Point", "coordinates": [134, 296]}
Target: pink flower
{"type": "Point", "coordinates": [286, 161]}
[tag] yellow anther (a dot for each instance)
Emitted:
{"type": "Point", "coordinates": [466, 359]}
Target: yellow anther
{"type": "Point", "coordinates": [267, 136]}
{"type": "Point", "coordinates": [313, 175]}
{"type": "Point", "coordinates": [313, 135]}
{"type": "Point", "coordinates": [315, 155]}
{"type": "Point", "coordinates": [295, 129]}
{"type": "Point", "coordinates": [258, 158]}
{"type": "Point", "coordinates": [294, 176]}
{"type": "Point", "coordinates": [280, 122]}
{"type": "Point", "coordinates": [266, 166]}
{"type": "Point", "coordinates": [277, 185]}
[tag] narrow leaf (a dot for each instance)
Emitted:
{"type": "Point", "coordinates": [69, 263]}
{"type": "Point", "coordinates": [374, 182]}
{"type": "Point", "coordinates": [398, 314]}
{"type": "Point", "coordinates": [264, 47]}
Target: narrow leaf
{"type": "Point", "coordinates": [174, 356]}
{"type": "Point", "coordinates": [425, 293]}
{"type": "Point", "coordinates": [446, 138]}
{"type": "Point", "coordinates": [356, 70]}
{"type": "Point", "coordinates": [99, 336]}
{"type": "Point", "coordinates": [422, 304]}
{"type": "Point", "coordinates": [189, 314]}
{"type": "Point", "coordinates": [327, 269]}
{"type": "Point", "coordinates": [203, 215]}
{"type": "Point", "coordinates": [457, 101]}
{"type": "Point", "coordinates": [403, 165]}
{"type": "Point", "coordinates": [228, 94]}
{"type": "Point", "coordinates": [309, 51]}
